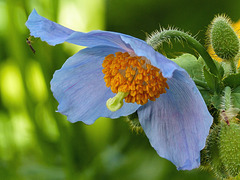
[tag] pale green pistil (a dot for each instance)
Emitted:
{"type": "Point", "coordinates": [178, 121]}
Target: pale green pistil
{"type": "Point", "coordinates": [115, 103]}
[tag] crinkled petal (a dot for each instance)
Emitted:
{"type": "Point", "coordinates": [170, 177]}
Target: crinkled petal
{"type": "Point", "coordinates": [141, 48]}
{"type": "Point", "coordinates": [97, 37]}
{"type": "Point", "coordinates": [80, 89]}
{"type": "Point", "coordinates": [54, 33]}
{"type": "Point", "coordinates": [128, 43]}
{"type": "Point", "coordinates": [178, 122]}
{"type": "Point", "coordinates": [48, 31]}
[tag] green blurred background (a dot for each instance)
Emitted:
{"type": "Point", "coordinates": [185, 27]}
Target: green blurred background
{"type": "Point", "coordinates": [38, 143]}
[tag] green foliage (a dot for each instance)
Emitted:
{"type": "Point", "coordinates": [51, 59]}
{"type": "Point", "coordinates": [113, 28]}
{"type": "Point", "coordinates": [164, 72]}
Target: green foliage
{"type": "Point", "coordinates": [157, 38]}
{"type": "Point", "coordinates": [195, 68]}
{"type": "Point", "coordinates": [211, 79]}
{"type": "Point", "coordinates": [191, 64]}
{"type": "Point", "coordinates": [232, 80]}
{"type": "Point", "coordinates": [216, 101]}
{"type": "Point", "coordinates": [236, 97]}
{"type": "Point", "coordinates": [227, 98]}
{"type": "Point", "coordinates": [219, 84]}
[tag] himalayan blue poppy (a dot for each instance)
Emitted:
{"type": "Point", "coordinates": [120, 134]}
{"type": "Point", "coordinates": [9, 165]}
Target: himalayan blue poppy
{"type": "Point", "coordinates": [117, 75]}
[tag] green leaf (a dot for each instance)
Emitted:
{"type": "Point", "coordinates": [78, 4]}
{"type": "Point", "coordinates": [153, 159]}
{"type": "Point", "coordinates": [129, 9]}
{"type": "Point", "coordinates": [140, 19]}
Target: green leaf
{"type": "Point", "coordinates": [216, 101]}
{"type": "Point", "coordinates": [218, 65]}
{"type": "Point", "coordinates": [232, 80]}
{"type": "Point", "coordinates": [211, 79]}
{"type": "Point", "coordinates": [194, 67]}
{"type": "Point", "coordinates": [191, 65]}
{"type": "Point", "coordinates": [236, 97]}
{"type": "Point", "coordinates": [207, 96]}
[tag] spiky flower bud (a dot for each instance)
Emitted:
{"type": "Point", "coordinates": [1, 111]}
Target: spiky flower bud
{"type": "Point", "coordinates": [134, 123]}
{"type": "Point", "coordinates": [229, 148]}
{"type": "Point", "coordinates": [223, 38]}
{"type": "Point", "coordinates": [222, 152]}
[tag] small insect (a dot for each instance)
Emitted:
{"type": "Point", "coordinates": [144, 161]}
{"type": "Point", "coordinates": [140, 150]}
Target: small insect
{"type": "Point", "coordinates": [29, 42]}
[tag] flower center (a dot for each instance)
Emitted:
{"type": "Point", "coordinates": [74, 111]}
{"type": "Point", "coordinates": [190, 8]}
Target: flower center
{"type": "Point", "coordinates": [134, 76]}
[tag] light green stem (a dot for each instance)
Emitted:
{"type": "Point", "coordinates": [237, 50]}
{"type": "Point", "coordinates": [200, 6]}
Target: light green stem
{"type": "Point", "coordinates": [156, 39]}
{"type": "Point", "coordinates": [201, 84]}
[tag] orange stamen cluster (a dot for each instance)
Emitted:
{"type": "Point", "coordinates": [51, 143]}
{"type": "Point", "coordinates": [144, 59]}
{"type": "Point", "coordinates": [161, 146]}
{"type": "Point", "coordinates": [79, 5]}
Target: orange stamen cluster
{"type": "Point", "coordinates": [133, 74]}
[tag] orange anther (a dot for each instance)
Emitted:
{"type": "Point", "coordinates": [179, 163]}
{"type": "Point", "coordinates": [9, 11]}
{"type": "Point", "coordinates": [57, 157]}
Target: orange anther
{"type": "Point", "coordinates": [133, 100]}
{"type": "Point", "coordinates": [128, 70]}
{"type": "Point", "coordinates": [132, 87]}
{"type": "Point", "coordinates": [139, 76]}
{"type": "Point", "coordinates": [140, 70]}
{"type": "Point", "coordinates": [125, 73]}
{"type": "Point", "coordinates": [149, 67]}
{"type": "Point", "coordinates": [130, 78]}
{"type": "Point", "coordinates": [152, 98]}
{"type": "Point", "coordinates": [150, 77]}
{"type": "Point", "coordinates": [133, 93]}
{"type": "Point", "coordinates": [133, 72]}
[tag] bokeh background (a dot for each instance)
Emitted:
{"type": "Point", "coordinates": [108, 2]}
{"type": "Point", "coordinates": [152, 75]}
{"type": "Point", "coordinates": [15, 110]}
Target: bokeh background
{"type": "Point", "coordinates": [38, 143]}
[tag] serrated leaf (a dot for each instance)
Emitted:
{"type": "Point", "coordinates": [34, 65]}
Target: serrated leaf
{"type": "Point", "coordinates": [232, 80]}
{"type": "Point", "coordinates": [211, 79]}
{"type": "Point", "coordinates": [191, 65]}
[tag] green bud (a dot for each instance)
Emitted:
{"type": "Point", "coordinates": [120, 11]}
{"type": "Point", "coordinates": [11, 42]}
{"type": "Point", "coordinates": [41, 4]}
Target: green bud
{"type": "Point", "coordinates": [211, 155]}
{"type": "Point", "coordinates": [223, 38]}
{"type": "Point", "coordinates": [229, 146]}
{"type": "Point", "coordinates": [222, 151]}
{"type": "Point", "coordinates": [134, 123]}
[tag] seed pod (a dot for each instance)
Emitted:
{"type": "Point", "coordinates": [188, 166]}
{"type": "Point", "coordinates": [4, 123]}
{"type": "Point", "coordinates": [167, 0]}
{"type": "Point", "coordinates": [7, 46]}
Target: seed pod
{"type": "Point", "coordinates": [222, 152]}
{"type": "Point", "coordinates": [229, 148]}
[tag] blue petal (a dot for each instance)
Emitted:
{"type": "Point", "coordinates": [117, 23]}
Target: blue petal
{"type": "Point", "coordinates": [129, 44]}
{"type": "Point", "coordinates": [178, 122]}
{"type": "Point", "coordinates": [141, 48]}
{"type": "Point", "coordinates": [80, 89]}
{"type": "Point", "coordinates": [96, 38]}
{"type": "Point", "coordinates": [48, 31]}
{"type": "Point", "coordinates": [54, 33]}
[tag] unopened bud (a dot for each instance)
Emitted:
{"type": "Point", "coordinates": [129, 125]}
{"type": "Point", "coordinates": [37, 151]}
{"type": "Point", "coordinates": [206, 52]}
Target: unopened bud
{"type": "Point", "coordinates": [223, 38]}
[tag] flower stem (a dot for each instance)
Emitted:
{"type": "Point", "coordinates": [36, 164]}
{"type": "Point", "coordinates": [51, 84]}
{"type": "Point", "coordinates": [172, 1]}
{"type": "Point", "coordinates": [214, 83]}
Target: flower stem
{"type": "Point", "coordinates": [156, 39]}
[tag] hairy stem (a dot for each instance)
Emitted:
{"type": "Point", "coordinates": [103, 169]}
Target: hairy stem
{"type": "Point", "coordinates": [157, 38]}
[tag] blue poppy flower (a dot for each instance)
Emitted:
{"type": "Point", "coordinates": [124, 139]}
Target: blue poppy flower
{"type": "Point", "coordinates": [170, 108]}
